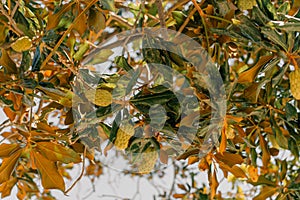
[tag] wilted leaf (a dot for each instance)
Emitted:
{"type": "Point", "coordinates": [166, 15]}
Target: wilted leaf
{"type": "Point", "coordinates": [51, 178]}
{"type": "Point", "coordinates": [22, 44]}
{"type": "Point", "coordinates": [8, 165]}
{"type": "Point", "coordinates": [56, 152]}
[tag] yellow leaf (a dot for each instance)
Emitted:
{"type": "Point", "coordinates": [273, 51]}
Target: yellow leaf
{"type": "Point", "coordinates": [249, 75]}
{"type": "Point", "coordinates": [51, 178]}
{"type": "Point", "coordinates": [229, 158]}
{"type": "Point", "coordinates": [266, 192]}
{"type": "Point", "coordinates": [6, 187]}
{"type": "Point", "coordinates": [22, 44]}
{"type": "Point", "coordinates": [8, 166]}
{"type": "Point", "coordinates": [146, 160]}
{"type": "Point", "coordinates": [7, 149]}
{"type": "Point", "coordinates": [99, 97]}
{"type": "Point", "coordinates": [57, 152]}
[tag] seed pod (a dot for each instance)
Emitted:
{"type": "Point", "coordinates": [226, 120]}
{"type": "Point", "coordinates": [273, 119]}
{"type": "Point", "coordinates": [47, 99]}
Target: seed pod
{"type": "Point", "coordinates": [147, 160]}
{"type": "Point", "coordinates": [123, 136]}
{"type": "Point", "coordinates": [295, 83]}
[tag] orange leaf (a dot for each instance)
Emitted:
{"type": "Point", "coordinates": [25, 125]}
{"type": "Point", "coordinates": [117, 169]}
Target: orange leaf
{"type": "Point", "coordinates": [193, 159]}
{"type": "Point", "coordinates": [214, 185]}
{"type": "Point", "coordinates": [8, 166]}
{"type": "Point", "coordinates": [266, 192]}
{"type": "Point", "coordinates": [229, 158]}
{"type": "Point", "coordinates": [57, 152]}
{"type": "Point", "coordinates": [223, 140]}
{"type": "Point", "coordinates": [7, 149]}
{"type": "Point", "coordinates": [253, 173]}
{"type": "Point", "coordinates": [81, 25]}
{"type": "Point", "coordinates": [7, 62]}
{"type": "Point", "coordinates": [238, 172]}
{"type": "Point", "coordinates": [6, 187]}
{"type": "Point", "coordinates": [9, 113]}
{"type": "Point", "coordinates": [249, 75]}
{"type": "Point", "coordinates": [235, 170]}
{"type": "Point", "coordinates": [265, 151]}
{"type": "Point", "coordinates": [203, 164]}
{"type": "Point", "coordinates": [51, 178]}
{"type": "Point", "coordinates": [177, 196]}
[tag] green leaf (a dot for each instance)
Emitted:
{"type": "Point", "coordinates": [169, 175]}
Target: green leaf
{"type": "Point", "coordinates": [122, 62]}
{"type": "Point", "coordinates": [99, 57]}
{"type": "Point", "coordinates": [96, 20]}
{"type": "Point", "coordinates": [291, 112]}
{"type": "Point", "coordinates": [108, 5]}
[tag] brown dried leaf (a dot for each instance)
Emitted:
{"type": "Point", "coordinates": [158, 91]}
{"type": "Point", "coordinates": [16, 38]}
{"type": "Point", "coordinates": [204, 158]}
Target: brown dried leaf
{"type": "Point", "coordinates": [8, 166]}
{"type": "Point", "coordinates": [7, 149]}
{"type": "Point", "coordinates": [51, 178]}
{"type": "Point", "coordinates": [249, 75]}
{"type": "Point", "coordinates": [57, 152]}
{"type": "Point", "coordinates": [266, 192]}
{"type": "Point", "coordinates": [229, 158]}
{"type": "Point", "coordinates": [6, 187]}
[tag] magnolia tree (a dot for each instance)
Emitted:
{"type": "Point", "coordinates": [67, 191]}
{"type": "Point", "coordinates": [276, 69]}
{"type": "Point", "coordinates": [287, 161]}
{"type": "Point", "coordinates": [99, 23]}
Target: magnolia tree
{"type": "Point", "coordinates": [213, 84]}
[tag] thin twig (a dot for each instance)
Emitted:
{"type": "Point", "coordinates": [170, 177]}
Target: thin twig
{"type": "Point", "coordinates": [202, 15]}
{"type": "Point", "coordinates": [67, 32]}
{"type": "Point", "coordinates": [186, 22]}
{"type": "Point", "coordinates": [12, 24]}
{"type": "Point", "coordinates": [81, 174]}
{"type": "Point", "coordinates": [161, 13]}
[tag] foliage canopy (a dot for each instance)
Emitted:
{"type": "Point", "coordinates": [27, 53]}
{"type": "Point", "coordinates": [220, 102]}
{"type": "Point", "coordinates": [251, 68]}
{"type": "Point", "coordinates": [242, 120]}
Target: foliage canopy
{"type": "Point", "coordinates": [44, 49]}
